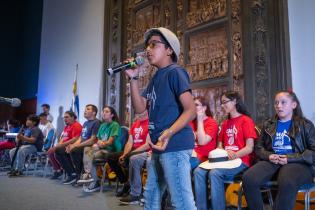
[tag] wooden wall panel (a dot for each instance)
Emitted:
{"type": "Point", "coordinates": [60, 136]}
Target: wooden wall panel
{"type": "Point", "coordinates": [225, 45]}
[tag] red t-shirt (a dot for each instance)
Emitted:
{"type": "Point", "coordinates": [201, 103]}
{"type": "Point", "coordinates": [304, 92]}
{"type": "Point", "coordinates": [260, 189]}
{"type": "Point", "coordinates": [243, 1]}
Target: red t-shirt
{"type": "Point", "coordinates": [234, 133]}
{"type": "Point", "coordinates": [71, 131]}
{"type": "Point", "coordinates": [211, 128]}
{"type": "Point", "coordinates": [139, 132]}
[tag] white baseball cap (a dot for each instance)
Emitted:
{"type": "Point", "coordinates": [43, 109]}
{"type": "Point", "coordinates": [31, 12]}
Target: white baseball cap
{"type": "Point", "coordinates": [168, 35]}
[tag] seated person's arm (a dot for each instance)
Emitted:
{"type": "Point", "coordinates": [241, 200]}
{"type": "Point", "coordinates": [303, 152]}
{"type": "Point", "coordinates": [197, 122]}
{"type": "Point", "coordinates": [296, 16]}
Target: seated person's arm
{"type": "Point", "coordinates": [249, 148]}
{"type": "Point", "coordinates": [71, 141]}
{"type": "Point", "coordinates": [220, 145]}
{"type": "Point", "coordinates": [31, 139]}
{"type": "Point", "coordinates": [145, 146]}
{"type": "Point", "coordinates": [104, 144]}
{"type": "Point", "coordinates": [127, 149]}
{"type": "Point", "coordinates": [89, 142]}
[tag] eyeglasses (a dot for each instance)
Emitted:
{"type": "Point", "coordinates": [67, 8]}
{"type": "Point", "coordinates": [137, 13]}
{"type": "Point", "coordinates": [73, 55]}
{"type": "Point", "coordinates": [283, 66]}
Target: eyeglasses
{"type": "Point", "coordinates": [153, 43]}
{"type": "Point", "coordinates": [224, 102]}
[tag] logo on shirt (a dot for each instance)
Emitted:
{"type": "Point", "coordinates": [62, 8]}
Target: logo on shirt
{"type": "Point", "coordinates": [84, 132]}
{"type": "Point", "coordinates": [151, 97]}
{"type": "Point", "coordinates": [104, 136]}
{"type": "Point", "coordinates": [281, 138]}
{"type": "Point", "coordinates": [65, 135]}
{"type": "Point", "coordinates": [138, 132]}
{"type": "Point", "coordinates": [231, 133]}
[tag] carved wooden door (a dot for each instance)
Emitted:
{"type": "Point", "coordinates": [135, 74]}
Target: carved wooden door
{"type": "Point", "coordinates": [213, 49]}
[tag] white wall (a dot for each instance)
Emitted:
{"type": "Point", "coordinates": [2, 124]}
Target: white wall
{"type": "Point", "coordinates": [302, 44]}
{"type": "Point", "coordinates": [72, 33]}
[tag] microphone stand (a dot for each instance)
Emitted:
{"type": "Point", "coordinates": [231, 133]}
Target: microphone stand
{"type": "Point", "coordinates": [17, 148]}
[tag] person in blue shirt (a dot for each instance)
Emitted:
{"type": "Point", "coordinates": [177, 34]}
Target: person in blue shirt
{"type": "Point", "coordinates": [171, 107]}
{"type": "Point", "coordinates": [81, 151]}
{"type": "Point", "coordinates": [286, 149]}
{"type": "Point", "coordinates": [29, 142]}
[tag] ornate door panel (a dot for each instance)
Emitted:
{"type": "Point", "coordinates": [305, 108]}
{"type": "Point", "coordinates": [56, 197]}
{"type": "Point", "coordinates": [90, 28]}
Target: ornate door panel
{"type": "Point", "coordinates": [212, 46]}
{"type": "Point", "coordinates": [210, 36]}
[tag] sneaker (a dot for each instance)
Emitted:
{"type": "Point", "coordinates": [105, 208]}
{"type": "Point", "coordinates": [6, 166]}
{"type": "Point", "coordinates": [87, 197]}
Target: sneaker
{"type": "Point", "coordinates": [112, 175]}
{"type": "Point", "coordinates": [69, 180]}
{"type": "Point", "coordinates": [56, 175]}
{"type": "Point", "coordinates": [130, 199]}
{"type": "Point", "coordinates": [125, 190]}
{"type": "Point", "coordinates": [85, 178]}
{"type": "Point", "coordinates": [94, 186]}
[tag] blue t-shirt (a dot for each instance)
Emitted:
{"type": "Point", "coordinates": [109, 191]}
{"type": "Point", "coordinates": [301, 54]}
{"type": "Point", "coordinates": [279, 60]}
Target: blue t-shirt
{"type": "Point", "coordinates": [163, 104]}
{"type": "Point", "coordinates": [89, 129]}
{"type": "Point", "coordinates": [281, 142]}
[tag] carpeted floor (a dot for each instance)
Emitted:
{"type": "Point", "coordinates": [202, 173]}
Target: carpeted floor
{"type": "Point", "coordinates": [37, 193]}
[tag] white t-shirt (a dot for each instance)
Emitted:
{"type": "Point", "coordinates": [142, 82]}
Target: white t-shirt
{"type": "Point", "coordinates": [50, 118]}
{"type": "Point", "coordinates": [45, 128]}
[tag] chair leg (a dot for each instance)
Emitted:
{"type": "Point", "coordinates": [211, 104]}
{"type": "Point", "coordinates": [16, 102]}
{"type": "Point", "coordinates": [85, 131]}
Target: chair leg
{"type": "Point", "coordinates": [103, 179]}
{"type": "Point", "coordinates": [28, 162]}
{"type": "Point", "coordinates": [307, 200]}
{"type": "Point", "coordinates": [239, 197]}
{"type": "Point", "coordinates": [37, 161]}
{"type": "Point", "coordinates": [270, 198]}
{"type": "Point", "coordinates": [46, 166]}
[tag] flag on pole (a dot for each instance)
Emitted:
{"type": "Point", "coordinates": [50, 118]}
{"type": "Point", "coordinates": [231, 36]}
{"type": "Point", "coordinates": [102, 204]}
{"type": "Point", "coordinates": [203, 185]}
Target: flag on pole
{"type": "Point", "coordinates": [75, 97]}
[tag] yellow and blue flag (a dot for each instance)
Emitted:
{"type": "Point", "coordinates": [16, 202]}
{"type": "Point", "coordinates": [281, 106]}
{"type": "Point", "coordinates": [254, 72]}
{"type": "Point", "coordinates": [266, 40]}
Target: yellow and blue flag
{"type": "Point", "coordinates": [75, 97]}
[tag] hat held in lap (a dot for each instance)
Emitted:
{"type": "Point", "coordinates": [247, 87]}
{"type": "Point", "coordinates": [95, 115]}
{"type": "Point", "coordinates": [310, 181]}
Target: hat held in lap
{"type": "Point", "coordinates": [218, 158]}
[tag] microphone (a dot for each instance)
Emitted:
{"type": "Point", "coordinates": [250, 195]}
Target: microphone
{"type": "Point", "coordinates": [138, 61]}
{"type": "Point", "coordinates": [15, 102]}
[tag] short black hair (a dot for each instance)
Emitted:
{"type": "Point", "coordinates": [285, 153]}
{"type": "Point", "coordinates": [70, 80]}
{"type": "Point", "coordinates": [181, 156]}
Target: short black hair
{"type": "Point", "coordinates": [72, 114]}
{"type": "Point", "coordinates": [94, 108]}
{"type": "Point", "coordinates": [46, 105]}
{"type": "Point", "coordinates": [167, 45]}
{"type": "Point", "coordinates": [34, 118]}
{"type": "Point", "coordinates": [42, 115]}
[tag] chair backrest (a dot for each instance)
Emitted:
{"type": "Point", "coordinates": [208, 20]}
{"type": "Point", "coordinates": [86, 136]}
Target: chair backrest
{"type": "Point", "coordinates": [50, 139]}
{"type": "Point", "coordinates": [124, 134]}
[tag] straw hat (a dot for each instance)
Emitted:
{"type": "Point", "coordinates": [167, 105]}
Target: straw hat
{"type": "Point", "coordinates": [218, 158]}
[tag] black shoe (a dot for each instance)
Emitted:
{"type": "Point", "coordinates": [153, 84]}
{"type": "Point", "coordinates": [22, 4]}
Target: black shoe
{"type": "Point", "coordinates": [16, 174]}
{"type": "Point", "coordinates": [56, 175]}
{"type": "Point", "coordinates": [130, 199]}
{"type": "Point", "coordinates": [11, 172]}
{"type": "Point", "coordinates": [125, 190]}
{"type": "Point", "coordinates": [70, 180]}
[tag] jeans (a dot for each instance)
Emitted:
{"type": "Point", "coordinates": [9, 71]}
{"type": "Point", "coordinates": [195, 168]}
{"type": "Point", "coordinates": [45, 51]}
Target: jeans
{"type": "Point", "coordinates": [171, 170]}
{"type": "Point", "coordinates": [194, 162]}
{"type": "Point", "coordinates": [136, 163]}
{"type": "Point", "coordinates": [216, 178]}
{"type": "Point", "coordinates": [290, 177]}
{"type": "Point", "coordinates": [21, 155]}
{"type": "Point", "coordinates": [98, 154]}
